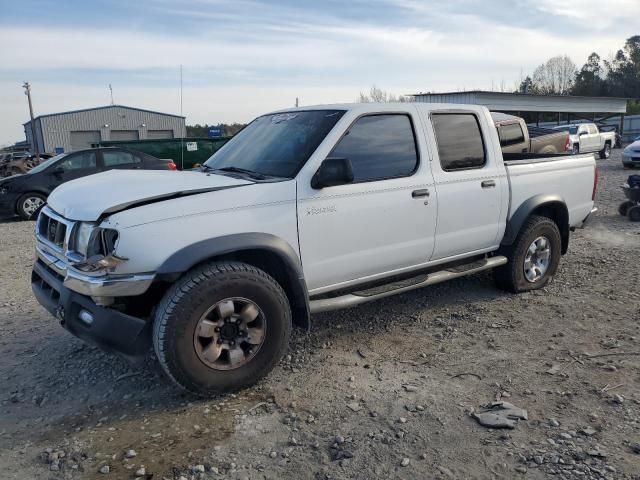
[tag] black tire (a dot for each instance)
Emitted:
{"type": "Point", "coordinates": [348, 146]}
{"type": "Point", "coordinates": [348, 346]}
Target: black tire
{"type": "Point", "coordinates": [576, 149]}
{"type": "Point", "coordinates": [23, 207]}
{"type": "Point", "coordinates": [605, 152]}
{"type": "Point", "coordinates": [184, 304]}
{"type": "Point", "coordinates": [634, 213]}
{"type": "Point", "coordinates": [624, 207]}
{"type": "Point", "coordinates": [511, 277]}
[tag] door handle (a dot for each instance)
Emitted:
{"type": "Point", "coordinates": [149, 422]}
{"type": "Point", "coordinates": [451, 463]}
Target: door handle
{"type": "Point", "coordinates": [488, 183]}
{"type": "Point", "coordinates": [424, 192]}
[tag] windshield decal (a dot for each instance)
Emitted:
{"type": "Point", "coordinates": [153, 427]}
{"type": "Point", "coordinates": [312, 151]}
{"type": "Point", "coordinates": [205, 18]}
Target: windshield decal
{"type": "Point", "coordinates": [283, 117]}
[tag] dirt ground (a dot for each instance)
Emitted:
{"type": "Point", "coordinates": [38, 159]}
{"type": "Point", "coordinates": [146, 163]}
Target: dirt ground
{"type": "Point", "coordinates": [380, 391]}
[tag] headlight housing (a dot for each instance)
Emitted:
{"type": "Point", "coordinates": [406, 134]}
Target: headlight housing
{"type": "Point", "coordinates": [97, 246]}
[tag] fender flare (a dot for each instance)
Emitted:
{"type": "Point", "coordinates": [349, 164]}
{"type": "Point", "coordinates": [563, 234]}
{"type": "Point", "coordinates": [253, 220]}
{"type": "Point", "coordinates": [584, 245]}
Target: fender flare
{"type": "Point", "coordinates": [296, 288]}
{"type": "Point", "coordinates": [526, 208]}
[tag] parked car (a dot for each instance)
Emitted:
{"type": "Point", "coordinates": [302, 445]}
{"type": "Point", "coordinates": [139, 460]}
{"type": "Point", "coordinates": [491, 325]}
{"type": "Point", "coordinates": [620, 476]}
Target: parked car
{"type": "Point", "coordinates": [516, 137]}
{"type": "Point", "coordinates": [585, 138]}
{"type": "Point", "coordinates": [25, 194]}
{"type": "Point", "coordinates": [631, 155]}
{"type": "Point", "coordinates": [305, 210]}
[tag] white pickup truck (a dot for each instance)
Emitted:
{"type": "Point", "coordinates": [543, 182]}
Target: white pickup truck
{"type": "Point", "coordinates": [587, 138]}
{"type": "Point", "coordinates": [304, 211]}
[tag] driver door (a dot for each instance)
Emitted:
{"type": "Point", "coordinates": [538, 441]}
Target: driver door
{"type": "Point", "coordinates": [384, 220]}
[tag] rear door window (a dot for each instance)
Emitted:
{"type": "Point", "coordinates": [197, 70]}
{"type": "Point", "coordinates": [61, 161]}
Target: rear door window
{"type": "Point", "coordinates": [511, 134]}
{"type": "Point", "coordinates": [379, 147]}
{"type": "Point", "coordinates": [459, 140]}
{"type": "Point", "coordinates": [116, 158]}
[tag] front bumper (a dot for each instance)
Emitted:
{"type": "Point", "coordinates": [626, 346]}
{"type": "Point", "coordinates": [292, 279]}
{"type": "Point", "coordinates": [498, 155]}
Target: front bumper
{"type": "Point", "coordinates": [92, 285]}
{"type": "Point", "coordinates": [107, 328]}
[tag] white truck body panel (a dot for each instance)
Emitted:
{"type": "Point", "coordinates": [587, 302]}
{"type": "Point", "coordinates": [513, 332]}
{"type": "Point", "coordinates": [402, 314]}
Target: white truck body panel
{"type": "Point", "coordinates": [342, 235]}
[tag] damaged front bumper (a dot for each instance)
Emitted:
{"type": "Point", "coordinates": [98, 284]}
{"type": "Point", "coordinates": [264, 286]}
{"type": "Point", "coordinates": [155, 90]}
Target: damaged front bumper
{"type": "Point", "coordinates": [95, 286]}
{"type": "Point", "coordinates": [107, 328]}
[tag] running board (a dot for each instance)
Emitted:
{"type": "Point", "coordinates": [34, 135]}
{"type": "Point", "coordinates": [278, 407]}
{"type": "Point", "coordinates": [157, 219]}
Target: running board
{"type": "Point", "coordinates": [358, 298]}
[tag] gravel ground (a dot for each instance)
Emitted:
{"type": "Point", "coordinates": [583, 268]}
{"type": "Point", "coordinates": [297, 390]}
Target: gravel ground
{"type": "Point", "coordinates": [380, 391]}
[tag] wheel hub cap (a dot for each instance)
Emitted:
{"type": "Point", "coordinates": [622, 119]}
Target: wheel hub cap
{"type": "Point", "coordinates": [32, 204]}
{"type": "Point", "coordinates": [229, 334]}
{"type": "Point", "coordinates": [536, 260]}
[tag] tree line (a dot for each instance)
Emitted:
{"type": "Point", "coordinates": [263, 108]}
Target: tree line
{"type": "Point", "coordinates": [616, 77]}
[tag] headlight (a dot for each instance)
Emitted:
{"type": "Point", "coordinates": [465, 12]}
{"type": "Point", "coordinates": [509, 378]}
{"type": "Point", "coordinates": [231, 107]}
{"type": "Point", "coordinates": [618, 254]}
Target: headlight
{"type": "Point", "coordinates": [97, 246]}
{"type": "Point", "coordinates": [83, 236]}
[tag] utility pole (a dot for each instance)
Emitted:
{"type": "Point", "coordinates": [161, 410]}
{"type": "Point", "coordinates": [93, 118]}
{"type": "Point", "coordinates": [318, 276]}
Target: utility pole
{"type": "Point", "coordinates": [34, 140]}
{"type": "Point", "coordinates": [111, 91]}
{"type": "Point", "coordinates": [297, 102]}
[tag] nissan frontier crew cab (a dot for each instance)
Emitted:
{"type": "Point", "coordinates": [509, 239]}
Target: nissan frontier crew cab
{"type": "Point", "coordinates": [305, 210]}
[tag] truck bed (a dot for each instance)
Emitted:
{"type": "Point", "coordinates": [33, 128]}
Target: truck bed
{"type": "Point", "coordinates": [534, 175]}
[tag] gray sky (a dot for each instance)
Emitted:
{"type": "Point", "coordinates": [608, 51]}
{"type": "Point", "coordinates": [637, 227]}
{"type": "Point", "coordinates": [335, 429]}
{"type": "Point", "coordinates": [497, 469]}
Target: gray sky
{"type": "Point", "coordinates": [244, 57]}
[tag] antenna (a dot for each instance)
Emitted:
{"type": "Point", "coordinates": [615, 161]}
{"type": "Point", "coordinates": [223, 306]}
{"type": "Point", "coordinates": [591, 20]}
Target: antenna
{"type": "Point", "coordinates": [111, 92]}
{"type": "Point", "coordinates": [182, 136]}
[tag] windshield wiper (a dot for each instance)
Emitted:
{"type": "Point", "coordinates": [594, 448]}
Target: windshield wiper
{"type": "Point", "coordinates": [244, 171]}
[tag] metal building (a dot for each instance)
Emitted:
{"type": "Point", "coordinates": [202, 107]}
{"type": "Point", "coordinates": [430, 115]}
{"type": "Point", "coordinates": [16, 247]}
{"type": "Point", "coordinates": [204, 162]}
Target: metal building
{"type": "Point", "coordinates": [539, 108]}
{"type": "Point", "coordinates": [78, 129]}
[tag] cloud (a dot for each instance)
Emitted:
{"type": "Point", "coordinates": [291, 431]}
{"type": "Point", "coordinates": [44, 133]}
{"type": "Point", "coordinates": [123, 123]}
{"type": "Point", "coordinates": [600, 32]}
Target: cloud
{"type": "Point", "coordinates": [244, 57]}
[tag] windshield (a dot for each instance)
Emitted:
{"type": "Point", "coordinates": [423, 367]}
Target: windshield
{"type": "Point", "coordinates": [569, 128]}
{"type": "Point", "coordinates": [47, 163]}
{"type": "Point", "coordinates": [276, 145]}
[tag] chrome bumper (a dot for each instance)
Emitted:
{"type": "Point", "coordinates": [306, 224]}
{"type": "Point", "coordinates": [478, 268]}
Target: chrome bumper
{"type": "Point", "coordinates": [96, 286]}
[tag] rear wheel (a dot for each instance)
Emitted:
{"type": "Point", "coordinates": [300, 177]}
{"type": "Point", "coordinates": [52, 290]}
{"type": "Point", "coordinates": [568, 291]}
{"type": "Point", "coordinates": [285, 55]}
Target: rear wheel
{"type": "Point", "coordinates": [221, 327]}
{"type": "Point", "coordinates": [634, 214]}
{"type": "Point", "coordinates": [606, 151]}
{"type": "Point", "coordinates": [533, 258]}
{"type": "Point", "coordinates": [624, 207]}
{"type": "Point", "coordinates": [29, 204]}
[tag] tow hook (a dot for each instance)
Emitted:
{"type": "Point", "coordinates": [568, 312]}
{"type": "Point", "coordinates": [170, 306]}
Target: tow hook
{"type": "Point", "coordinates": [60, 314]}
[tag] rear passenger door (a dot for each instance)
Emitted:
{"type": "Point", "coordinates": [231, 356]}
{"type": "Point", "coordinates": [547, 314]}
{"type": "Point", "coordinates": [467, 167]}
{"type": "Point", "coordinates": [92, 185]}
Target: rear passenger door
{"type": "Point", "coordinates": [468, 182]}
{"type": "Point", "coordinates": [120, 160]}
{"type": "Point", "coordinates": [385, 220]}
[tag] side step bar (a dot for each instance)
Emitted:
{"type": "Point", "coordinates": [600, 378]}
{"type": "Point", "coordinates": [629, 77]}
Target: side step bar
{"type": "Point", "coordinates": [353, 299]}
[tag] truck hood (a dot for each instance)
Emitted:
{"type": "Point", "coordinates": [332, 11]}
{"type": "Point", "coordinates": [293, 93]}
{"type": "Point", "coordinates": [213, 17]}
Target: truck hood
{"type": "Point", "coordinates": [89, 198]}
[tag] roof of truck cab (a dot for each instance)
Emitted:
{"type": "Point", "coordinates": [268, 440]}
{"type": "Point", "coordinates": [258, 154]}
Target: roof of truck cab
{"type": "Point", "coordinates": [386, 106]}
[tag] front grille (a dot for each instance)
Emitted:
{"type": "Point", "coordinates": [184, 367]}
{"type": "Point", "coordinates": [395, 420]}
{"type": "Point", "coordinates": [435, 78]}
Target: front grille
{"type": "Point", "coordinates": [52, 230]}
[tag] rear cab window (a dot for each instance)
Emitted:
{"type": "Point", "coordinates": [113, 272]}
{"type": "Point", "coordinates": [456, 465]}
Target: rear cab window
{"type": "Point", "coordinates": [459, 141]}
{"type": "Point", "coordinates": [510, 134]}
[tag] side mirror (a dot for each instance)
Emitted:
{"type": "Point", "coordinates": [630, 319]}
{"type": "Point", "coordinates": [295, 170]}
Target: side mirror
{"type": "Point", "coordinates": [582, 133]}
{"type": "Point", "coordinates": [58, 171]}
{"type": "Point", "coordinates": [332, 172]}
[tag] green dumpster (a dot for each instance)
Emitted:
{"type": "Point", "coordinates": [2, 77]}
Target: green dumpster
{"type": "Point", "coordinates": [185, 152]}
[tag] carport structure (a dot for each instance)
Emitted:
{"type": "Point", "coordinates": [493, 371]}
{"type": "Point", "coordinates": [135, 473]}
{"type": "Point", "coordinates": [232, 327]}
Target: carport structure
{"type": "Point", "coordinates": [539, 109]}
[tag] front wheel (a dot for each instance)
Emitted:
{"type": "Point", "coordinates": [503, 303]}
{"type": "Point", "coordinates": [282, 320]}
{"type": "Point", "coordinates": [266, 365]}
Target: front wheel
{"type": "Point", "coordinates": [533, 258]}
{"type": "Point", "coordinates": [221, 327]}
{"type": "Point", "coordinates": [634, 213]}
{"type": "Point", "coordinates": [624, 207]}
{"type": "Point", "coordinates": [576, 149]}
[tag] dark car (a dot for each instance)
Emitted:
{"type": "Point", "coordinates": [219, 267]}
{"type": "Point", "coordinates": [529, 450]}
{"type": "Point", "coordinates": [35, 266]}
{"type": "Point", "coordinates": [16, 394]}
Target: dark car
{"type": "Point", "coordinates": [25, 194]}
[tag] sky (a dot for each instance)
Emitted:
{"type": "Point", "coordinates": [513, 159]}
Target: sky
{"type": "Point", "coordinates": [242, 58]}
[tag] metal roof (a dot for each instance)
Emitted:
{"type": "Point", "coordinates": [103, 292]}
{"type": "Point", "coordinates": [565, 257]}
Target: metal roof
{"type": "Point", "coordinates": [103, 108]}
{"type": "Point", "coordinates": [526, 102]}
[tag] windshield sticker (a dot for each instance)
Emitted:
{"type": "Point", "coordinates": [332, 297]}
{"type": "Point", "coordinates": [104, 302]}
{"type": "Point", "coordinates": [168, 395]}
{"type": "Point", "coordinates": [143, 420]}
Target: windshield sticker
{"type": "Point", "coordinates": [283, 117]}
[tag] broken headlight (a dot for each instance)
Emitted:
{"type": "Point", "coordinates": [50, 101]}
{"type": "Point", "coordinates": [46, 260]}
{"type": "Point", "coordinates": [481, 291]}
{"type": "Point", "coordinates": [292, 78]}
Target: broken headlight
{"type": "Point", "coordinates": [97, 246]}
